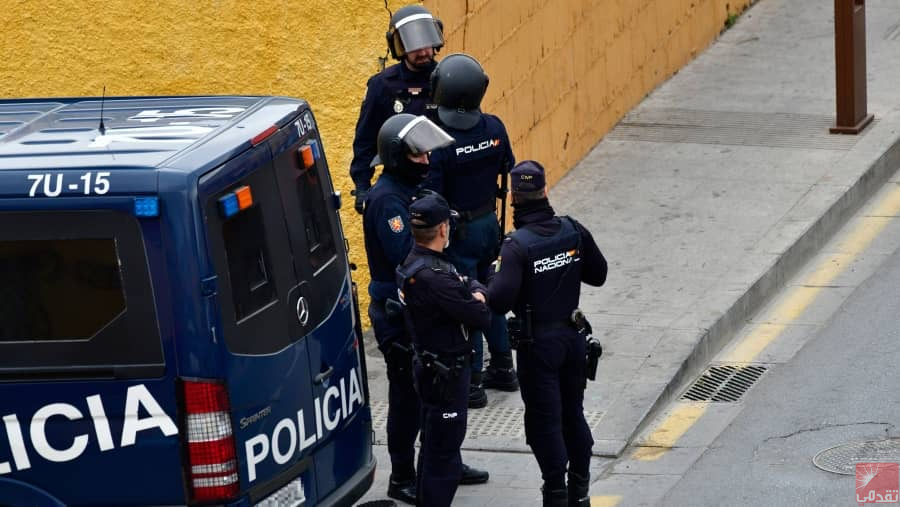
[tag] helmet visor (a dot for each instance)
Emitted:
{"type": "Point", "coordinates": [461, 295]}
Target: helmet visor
{"type": "Point", "coordinates": [422, 136]}
{"type": "Point", "coordinates": [419, 31]}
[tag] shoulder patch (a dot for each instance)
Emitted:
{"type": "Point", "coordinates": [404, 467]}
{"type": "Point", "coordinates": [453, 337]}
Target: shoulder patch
{"type": "Point", "coordinates": [396, 224]}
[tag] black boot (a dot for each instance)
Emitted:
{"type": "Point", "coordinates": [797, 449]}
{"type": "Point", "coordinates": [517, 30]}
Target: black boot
{"type": "Point", "coordinates": [555, 497]}
{"type": "Point", "coordinates": [502, 379]}
{"type": "Point", "coordinates": [403, 490]}
{"type": "Point", "coordinates": [477, 396]}
{"type": "Point", "coordinates": [473, 476]}
{"type": "Point", "coordinates": [578, 490]}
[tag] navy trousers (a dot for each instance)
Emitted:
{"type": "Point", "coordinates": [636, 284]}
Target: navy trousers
{"type": "Point", "coordinates": [551, 380]}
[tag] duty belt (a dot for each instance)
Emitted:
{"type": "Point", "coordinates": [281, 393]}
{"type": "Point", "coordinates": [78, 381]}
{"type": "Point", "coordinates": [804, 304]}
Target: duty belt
{"type": "Point", "coordinates": [469, 215]}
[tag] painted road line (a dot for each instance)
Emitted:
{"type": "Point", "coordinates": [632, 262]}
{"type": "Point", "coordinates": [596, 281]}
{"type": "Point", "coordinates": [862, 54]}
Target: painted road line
{"type": "Point", "coordinates": [799, 298]}
{"type": "Point", "coordinates": [667, 433]}
{"type": "Point", "coordinates": [796, 301]}
{"type": "Point", "coordinates": [605, 500]}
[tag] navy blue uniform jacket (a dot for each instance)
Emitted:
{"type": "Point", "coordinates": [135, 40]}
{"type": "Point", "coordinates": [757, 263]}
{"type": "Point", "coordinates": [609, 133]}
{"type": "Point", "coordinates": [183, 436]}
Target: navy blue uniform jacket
{"type": "Point", "coordinates": [438, 303]}
{"type": "Point", "coordinates": [386, 231]}
{"type": "Point", "coordinates": [393, 84]}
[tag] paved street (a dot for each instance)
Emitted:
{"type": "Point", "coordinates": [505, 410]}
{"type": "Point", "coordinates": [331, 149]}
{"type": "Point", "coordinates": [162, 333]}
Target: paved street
{"type": "Point", "coordinates": [828, 342]}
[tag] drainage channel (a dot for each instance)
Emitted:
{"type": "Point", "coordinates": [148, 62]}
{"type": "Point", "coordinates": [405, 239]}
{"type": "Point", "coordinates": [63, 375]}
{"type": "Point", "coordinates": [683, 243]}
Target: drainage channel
{"type": "Point", "coordinates": [724, 383]}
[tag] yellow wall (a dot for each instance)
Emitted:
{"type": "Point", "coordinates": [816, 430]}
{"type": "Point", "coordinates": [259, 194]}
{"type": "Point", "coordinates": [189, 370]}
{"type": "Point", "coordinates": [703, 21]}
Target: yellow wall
{"type": "Point", "coordinates": [562, 71]}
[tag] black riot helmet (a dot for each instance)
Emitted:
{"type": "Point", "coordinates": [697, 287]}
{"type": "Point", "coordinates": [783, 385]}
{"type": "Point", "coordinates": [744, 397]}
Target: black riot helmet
{"type": "Point", "coordinates": [458, 84]}
{"type": "Point", "coordinates": [403, 134]}
{"type": "Point", "coordinates": [413, 28]}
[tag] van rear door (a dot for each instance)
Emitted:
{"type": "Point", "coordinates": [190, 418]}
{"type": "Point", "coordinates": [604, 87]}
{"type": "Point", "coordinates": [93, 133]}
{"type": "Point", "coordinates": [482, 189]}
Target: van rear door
{"type": "Point", "coordinates": [320, 260]}
{"type": "Point", "coordinates": [267, 370]}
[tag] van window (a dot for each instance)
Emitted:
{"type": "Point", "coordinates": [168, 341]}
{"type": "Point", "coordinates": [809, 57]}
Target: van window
{"type": "Point", "coordinates": [249, 267]}
{"type": "Point", "coordinates": [251, 257]}
{"type": "Point", "coordinates": [75, 297]}
{"type": "Point", "coordinates": [319, 235]}
{"type": "Point", "coordinates": [42, 276]}
{"type": "Point", "coordinates": [312, 224]}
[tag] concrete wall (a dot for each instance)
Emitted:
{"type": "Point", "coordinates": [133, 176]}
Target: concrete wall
{"type": "Point", "coordinates": [562, 71]}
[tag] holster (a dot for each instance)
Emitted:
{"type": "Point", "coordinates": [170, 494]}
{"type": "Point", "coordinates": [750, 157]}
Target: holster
{"type": "Point", "coordinates": [398, 357]}
{"type": "Point", "coordinates": [446, 369]}
{"type": "Point", "coordinates": [593, 349]}
{"type": "Point", "coordinates": [521, 330]}
{"type": "Point", "coordinates": [394, 311]}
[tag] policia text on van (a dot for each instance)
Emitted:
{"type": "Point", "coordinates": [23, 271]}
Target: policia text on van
{"type": "Point", "coordinates": [177, 320]}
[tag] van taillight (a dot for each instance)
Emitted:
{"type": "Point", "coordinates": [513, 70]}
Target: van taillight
{"type": "Point", "coordinates": [212, 471]}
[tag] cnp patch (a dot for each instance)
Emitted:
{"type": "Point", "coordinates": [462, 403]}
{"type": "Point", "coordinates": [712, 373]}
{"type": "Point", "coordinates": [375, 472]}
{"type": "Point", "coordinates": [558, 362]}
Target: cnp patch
{"type": "Point", "coordinates": [396, 224]}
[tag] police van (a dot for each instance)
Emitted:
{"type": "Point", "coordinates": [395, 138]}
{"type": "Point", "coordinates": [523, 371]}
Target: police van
{"type": "Point", "coordinates": [178, 324]}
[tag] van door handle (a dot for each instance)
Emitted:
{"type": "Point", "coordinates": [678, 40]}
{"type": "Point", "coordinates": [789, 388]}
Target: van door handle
{"type": "Point", "coordinates": [324, 375]}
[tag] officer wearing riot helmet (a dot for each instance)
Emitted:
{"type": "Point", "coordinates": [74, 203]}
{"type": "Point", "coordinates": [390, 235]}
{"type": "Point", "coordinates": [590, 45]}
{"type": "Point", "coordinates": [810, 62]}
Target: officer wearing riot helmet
{"type": "Point", "coordinates": [538, 275]}
{"type": "Point", "coordinates": [472, 174]}
{"type": "Point", "coordinates": [440, 307]}
{"type": "Point", "coordinates": [413, 37]}
{"type": "Point", "coordinates": [403, 145]}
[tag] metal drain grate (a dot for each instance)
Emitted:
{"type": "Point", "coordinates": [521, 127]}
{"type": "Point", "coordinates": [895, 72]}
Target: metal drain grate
{"type": "Point", "coordinates": [484, 422]}
{"type": "Point", "coordinates": [723, 383]}
{"type": "Point", "coordinates": [842, 459]}
{"type": "Point", "coordinates": [774, 130]}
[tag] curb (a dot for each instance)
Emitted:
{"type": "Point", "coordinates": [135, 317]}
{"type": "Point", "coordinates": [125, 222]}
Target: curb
{"type": "Point", "coordinates": [775, 278]}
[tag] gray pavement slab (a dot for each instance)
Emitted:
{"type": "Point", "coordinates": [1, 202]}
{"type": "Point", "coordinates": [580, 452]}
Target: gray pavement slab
{"type": "Point", "coordinates": [706, 198]}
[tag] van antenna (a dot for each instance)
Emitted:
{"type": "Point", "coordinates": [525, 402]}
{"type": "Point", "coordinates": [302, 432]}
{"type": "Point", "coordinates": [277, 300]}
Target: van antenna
{"type": "Point", "coordinates": [102, 99]}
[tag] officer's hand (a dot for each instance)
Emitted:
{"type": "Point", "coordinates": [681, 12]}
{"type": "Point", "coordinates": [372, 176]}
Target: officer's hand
{"type": "Point", "coordinates": [360, 204]}
{"type": "Point", "coordinates": [479, 296]}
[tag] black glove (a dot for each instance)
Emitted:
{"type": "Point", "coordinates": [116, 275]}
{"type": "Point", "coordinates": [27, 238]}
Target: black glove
{"type": "Point", "coordinates": [360, 204]}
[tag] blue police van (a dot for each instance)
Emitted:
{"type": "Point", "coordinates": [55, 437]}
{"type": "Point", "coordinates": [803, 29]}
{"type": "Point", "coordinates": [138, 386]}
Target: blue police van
{"type": "Point", "coordinates": [178, 324]}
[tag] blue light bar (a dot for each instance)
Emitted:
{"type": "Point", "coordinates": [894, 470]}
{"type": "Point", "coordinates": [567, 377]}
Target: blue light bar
{"type": "Point", "coordinates": [228, 205]}
{"type": "Point", "coordinates": [146, 206]}
{"type": "Point", "coordinates": [315, 149]}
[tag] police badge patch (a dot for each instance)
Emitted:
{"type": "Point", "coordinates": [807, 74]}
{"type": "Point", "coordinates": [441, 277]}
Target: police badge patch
{"type": "Point", "coordinates": [396, 224]}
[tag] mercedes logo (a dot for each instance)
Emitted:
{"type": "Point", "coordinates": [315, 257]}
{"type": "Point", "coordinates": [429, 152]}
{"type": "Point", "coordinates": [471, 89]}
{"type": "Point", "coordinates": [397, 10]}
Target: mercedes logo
{"type": "Point", "coordinates": [302, 311]}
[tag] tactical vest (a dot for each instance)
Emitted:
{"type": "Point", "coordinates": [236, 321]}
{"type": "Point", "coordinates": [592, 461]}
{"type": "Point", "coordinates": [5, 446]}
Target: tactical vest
{"type": "Point", "coordinates": [478, 156]}
{"type": "Point", "coordinates": [424, 336]}
{"type": "Point", "coordinates": [552, 281]}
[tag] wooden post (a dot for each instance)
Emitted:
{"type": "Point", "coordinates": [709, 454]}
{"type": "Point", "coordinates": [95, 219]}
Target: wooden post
{"type": "Point", "coordinates": [850, 66]}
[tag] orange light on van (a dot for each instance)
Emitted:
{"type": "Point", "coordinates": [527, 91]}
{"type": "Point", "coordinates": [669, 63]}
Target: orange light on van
{"type": "Point", "coordinates": [306, 153]}
{"type": "Point", "coordinates": [244, 197]}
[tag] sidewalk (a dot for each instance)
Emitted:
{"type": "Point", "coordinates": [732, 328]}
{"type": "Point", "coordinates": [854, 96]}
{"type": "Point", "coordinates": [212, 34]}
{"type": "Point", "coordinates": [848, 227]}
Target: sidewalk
{"type": "Point", "coordinates": [704, 199]}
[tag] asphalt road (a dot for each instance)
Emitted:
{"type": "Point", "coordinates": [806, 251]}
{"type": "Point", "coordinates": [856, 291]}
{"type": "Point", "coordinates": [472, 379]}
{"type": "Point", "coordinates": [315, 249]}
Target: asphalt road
{"type": "Point", "coordinates": [843, 386]}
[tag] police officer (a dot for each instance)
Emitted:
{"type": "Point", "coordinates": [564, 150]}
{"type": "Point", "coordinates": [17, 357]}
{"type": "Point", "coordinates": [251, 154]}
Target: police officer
{"type": "Point", "coordinates": [440, 307]}
{"type": "Point", "coordinates": [403, 145]}
{"type": "Point", "coordinates": [413, 37]}
{"type": "Point", "coordinates": [467, 174]}
{"type": "Point", "coordinates": [538, 275]}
